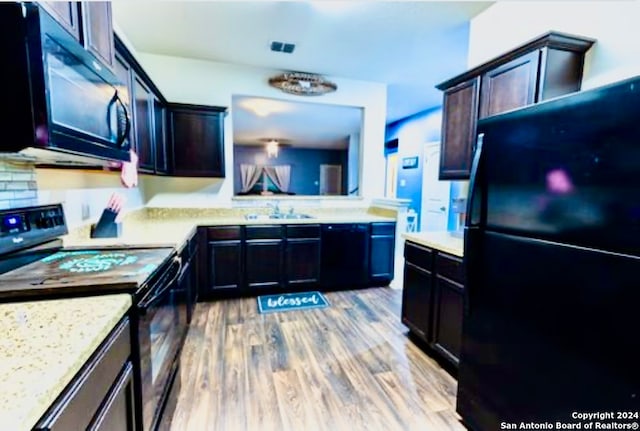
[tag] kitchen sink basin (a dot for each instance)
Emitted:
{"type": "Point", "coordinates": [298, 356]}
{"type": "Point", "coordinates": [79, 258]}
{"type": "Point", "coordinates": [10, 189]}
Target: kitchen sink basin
{"type": "Point", "coordinates": [287, 216]}
{"type": "Point", "coordinates": [290, 216]}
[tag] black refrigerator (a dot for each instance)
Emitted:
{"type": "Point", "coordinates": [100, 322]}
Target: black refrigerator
{"type": "Point", "coordinates": [552, 250]}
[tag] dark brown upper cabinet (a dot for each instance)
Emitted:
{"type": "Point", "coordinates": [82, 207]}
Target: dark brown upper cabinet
{"type": "Point", "coordinates": [66, 14]}
{"type": "Point", "coordinates": [459, 115]}
{"type": "Point", "coordinates": [510, 86]}
{"type": "Point", "coordinates": [147, 110]}
{"type": "Point", "coordinates": [159, 137]}
{"type": "Point", "coordinates": [97, 29]}
{"type": "Point", "coordinates": [143, 121]}
{"type": "Point", "coordinates": [548, 66]}
{"type": "Point", "coordinates": [90, 23]}
{"type": "Point", "coordinates": [196, 140]}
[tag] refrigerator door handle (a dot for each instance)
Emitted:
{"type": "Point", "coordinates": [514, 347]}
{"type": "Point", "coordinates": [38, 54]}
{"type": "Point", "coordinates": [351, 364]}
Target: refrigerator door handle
{"type": "Point", "coordinates": [473, 213]}
{"type": "Point", "coordinates": [472, 244]}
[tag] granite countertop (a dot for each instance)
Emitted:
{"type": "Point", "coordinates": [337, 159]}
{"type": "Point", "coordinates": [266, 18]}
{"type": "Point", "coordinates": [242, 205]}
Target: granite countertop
{"type": "Point", "coordinates": [44, 344]}
{"type": "Point", "coordinates": [173, 227]}
{"type": "Point", "coordinates": [153, 233]}
{"type": "Point", "coordinates": [443, 241]}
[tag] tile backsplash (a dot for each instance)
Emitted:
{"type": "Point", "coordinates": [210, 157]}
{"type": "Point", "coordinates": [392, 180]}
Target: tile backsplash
{"type": "Point", "coordinates": [82, 194]}
{"type": "Point", "coordinates": [18, 186]}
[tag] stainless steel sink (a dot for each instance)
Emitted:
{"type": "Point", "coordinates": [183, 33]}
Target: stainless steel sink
{"type": "Point", "coordinates": [283, 216]}
{"type": "Point", "coordinates": [290, 216]}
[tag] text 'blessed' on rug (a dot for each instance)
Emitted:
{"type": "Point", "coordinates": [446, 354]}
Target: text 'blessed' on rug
{"type": "Point", "coordinates": [291, 301]}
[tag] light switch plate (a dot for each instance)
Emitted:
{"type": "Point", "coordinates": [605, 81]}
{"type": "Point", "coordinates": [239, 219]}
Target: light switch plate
{"type": "Point", "coordinates": [86, 211]}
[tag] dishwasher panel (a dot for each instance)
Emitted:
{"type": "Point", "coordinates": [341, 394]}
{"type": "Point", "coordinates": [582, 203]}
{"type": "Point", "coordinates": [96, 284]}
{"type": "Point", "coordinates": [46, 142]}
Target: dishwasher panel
{"type": "Point", "coordinates": [344, 251]}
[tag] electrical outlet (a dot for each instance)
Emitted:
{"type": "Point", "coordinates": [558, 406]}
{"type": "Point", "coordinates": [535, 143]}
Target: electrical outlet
{"type": "Point", "coordinates": [86, 211]}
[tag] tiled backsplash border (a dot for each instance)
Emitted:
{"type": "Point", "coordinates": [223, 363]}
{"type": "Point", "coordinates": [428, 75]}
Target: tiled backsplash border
{"type": "Point", "coordinates": [18, 186]}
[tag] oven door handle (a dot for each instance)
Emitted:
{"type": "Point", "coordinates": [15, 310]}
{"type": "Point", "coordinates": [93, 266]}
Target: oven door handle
{"type": "Point", "coordinates": [175, 268]}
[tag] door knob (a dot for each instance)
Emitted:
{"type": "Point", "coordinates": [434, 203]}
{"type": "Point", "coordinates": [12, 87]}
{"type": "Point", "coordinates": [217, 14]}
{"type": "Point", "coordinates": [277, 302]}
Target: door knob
{"type": "Point", "coordinates": [442, 209]}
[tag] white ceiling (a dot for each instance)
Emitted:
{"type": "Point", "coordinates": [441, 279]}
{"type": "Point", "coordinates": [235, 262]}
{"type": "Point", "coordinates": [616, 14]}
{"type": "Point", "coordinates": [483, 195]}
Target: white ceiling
{"type": "Point", "coordinates": [409, 45]}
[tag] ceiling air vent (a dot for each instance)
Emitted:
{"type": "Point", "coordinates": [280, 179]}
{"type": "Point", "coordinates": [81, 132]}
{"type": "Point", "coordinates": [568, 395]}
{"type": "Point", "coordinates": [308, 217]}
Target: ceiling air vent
{"type": "Point", "coordinates": [277, 46]}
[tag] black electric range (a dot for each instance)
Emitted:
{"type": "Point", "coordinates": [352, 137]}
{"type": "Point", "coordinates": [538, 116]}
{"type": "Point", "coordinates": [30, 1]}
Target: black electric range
{"type": "Point", "coordinates": [35, 266]}
{"type": "Point", "coordinates": [85, 271]}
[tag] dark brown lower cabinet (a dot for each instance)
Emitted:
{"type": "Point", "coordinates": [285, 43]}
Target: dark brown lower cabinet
{"type": "Point", "coordinates": [224, 264]}
{"type": "Point", "coordinates": [263, 264]}
{"type": "Point", "coordinates": [117, 413]}
{"type": "Point", "coordinates": [417, 301]}
{"type": "Point", "coordinates": [381, 258]}
{"type": "Point", "coordinates": [220, 260]}
{"type": "Point", "coordinates": [447, 330]}
{"type": "Point", "coordinates": [432, 300]}
{"type": "Point", "coordinates": [302, 256]}
{"type": "Point", "coordinates": [243, 260]}
{"type": "Point", "coordinates": [101, 395]}
{"type": "Point", "coordinates": [302, 262]}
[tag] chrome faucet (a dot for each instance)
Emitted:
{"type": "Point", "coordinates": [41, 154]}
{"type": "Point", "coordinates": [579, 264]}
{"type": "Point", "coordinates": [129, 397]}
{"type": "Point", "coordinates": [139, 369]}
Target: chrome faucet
{"type": "Point", "coordinates": [275, 208]}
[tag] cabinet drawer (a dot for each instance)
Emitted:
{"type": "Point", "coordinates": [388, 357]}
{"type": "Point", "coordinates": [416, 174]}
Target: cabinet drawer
{"type": "Point", "coordinates": [77, 405]}
{"type": "Point", "coordinates": [303, 231]}
{"type": "Point", "coordinates": [264, 232]}
{"type": "Point", "coordinates": [383, 228]}
{"type": "Point", "coordinates": [418, 255]}
{"type": "Point", "coordinates": [450, 267]}
{"type": "Point", "coordinates": [224, 232]}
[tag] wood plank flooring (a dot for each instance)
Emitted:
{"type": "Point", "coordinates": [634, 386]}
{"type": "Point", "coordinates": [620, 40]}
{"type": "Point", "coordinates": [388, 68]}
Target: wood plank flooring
{"type": "Point", "coordinates": [349, 367]}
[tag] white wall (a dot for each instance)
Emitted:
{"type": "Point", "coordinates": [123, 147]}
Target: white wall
{"type": "Point", "coordinates": [194, 81]}
{"type": "Point", "coordinates": [353, 163]}
{"type": "Point", "coordinates": [77, 188]}
{"type": "Point", "coordinates": [615, 25]}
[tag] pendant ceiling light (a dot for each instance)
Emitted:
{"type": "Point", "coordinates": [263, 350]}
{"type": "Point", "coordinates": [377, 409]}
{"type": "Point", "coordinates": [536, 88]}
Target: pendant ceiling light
{"type": "Point", "coordinates": [302, 84]}
{"type": "Point", "coordinates": [272, 148]}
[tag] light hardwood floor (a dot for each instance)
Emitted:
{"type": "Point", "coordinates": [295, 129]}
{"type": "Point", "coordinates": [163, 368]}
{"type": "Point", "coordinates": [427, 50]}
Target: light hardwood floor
{"type": "Point", "coordinates": [349, 367]}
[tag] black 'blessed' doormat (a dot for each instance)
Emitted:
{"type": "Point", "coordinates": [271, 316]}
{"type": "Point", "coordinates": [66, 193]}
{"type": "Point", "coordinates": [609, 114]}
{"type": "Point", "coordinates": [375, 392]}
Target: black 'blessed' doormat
{"type": "Point", "coordinates": [291, 301]}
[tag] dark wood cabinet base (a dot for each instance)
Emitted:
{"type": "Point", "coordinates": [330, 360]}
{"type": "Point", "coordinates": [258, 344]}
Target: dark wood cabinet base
{"type": "Point", "coordinates": [265, 259]}
{"type": "Point", "coordinates": [432, 299]}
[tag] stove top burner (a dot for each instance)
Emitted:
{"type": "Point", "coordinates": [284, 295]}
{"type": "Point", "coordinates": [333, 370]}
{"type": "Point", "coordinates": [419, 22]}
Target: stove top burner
{"type": "Point", "coordinates": [98, 263]}
{"type": "Point", "coordinates": [94, 267]}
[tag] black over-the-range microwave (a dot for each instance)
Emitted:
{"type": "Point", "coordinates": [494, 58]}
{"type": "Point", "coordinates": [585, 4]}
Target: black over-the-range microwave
{"type": "Point", "coordinates": [60, 103]}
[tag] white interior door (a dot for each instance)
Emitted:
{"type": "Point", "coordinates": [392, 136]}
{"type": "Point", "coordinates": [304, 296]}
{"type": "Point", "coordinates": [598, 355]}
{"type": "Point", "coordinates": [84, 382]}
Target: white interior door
{"type": "Point", "coordinates": [330, 179]}
{"type": "Point", "coordinates": [435, 193]}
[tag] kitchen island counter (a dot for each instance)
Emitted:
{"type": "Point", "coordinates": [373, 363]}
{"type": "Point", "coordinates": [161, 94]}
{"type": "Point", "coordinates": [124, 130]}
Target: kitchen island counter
{"type": "Point", "coordinates": [44, 344]}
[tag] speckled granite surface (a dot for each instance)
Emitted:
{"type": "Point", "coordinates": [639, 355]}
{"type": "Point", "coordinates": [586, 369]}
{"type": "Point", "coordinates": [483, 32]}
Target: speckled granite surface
{"type": "Point", "coordinates": [172, 226]}
{"type": "Point", "coordinates": [442, 241]}
{"type": "Point", "coordinates": [43, 345]}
